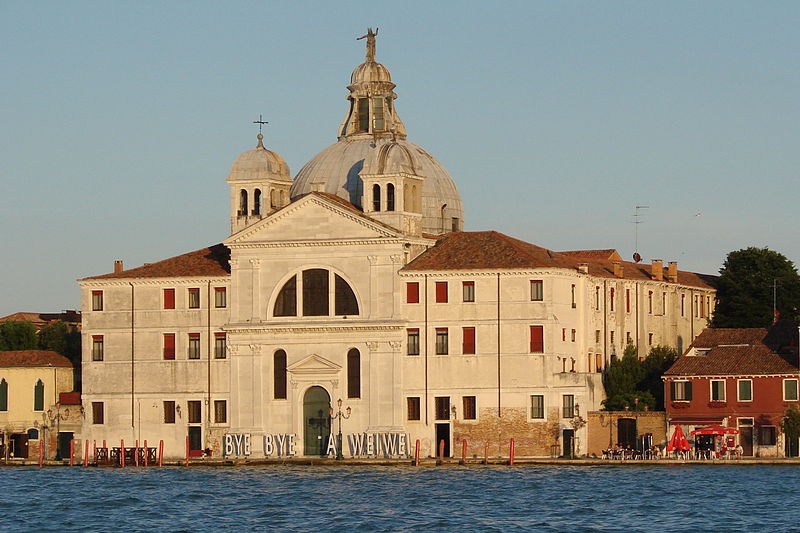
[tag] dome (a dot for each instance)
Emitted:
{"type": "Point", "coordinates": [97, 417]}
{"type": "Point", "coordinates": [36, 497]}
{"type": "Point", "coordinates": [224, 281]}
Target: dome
{"type": "Point", "coordinates": [370, 71]}
{"type": "Point", "coordinates": [337, 170]}
{"type": "Point", "coordinates": [259, 164]}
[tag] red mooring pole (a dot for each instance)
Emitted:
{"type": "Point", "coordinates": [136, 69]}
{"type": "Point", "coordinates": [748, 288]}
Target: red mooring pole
{"type": "Point", "coordinates": [160, 452]}
{"type": "Point", "coordinates": [511, 452]}
{"type": "Point", "coordinates": [145, 452]}
{"type": "Point", "coordinates": [136, 454]}
{"type": "Point", "coordinates": [41, 452]}
{"type": "Point", "coordinates": [416, 453]}
{"type": "Point", "coordinates": [463, 452]}
{"type": "Point", "coordinates": [122, 453]}
{"type": "Point", "coordinates": [187, 450]}
{"type": "Point", "coordinates": [486, 453]}
{"type": "Point", "coordinates": [94, 451]}
{"type": "Point", "coordinates": [86, 452]}
{"type": "Point", "coordinates": [71, 452]}
{"type": "Point", "coordinates": [440, 460]}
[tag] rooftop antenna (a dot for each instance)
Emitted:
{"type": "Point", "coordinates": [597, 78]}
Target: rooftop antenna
{"type": "Point", "coordinates": [636, 221]}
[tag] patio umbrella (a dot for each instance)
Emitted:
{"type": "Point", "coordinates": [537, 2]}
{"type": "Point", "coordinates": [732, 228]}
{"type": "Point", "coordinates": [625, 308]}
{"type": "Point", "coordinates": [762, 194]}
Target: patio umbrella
{"type": "Point", "coordinates": [678, 442]}
{"type": "Point", "coordinates": [715, 429]}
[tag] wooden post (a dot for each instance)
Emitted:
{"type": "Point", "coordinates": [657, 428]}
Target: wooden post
{"type": "Point", "coordinates": [122, 453]}
{"type": "Point", "coordinates": [416, 453]}
{"type": "Point", "coordinates": [145, 452]}
{"type": "Point", "coordinates": [94, 451]}
{"type": "Point", "coordinates": [71, 452]}
{"type": "Point", "coordinates": [136, 453]}
{"type": "Point", "coordinates": [187, 450]}
{"type": "Point", "coordinates": [160, 452]}
{"type": "Point", "coordinates": [486, 453]}
{"type": "Point", "coordinates": [511, 452]}
{"type": "Point", "coordinates": [440, 456]}
{"type": "Point", "coordinates": [463, 460]}
{"type": "Point", "coordinates": [41, 452]}
{"type": "Point", "coordinates": [86, 452]}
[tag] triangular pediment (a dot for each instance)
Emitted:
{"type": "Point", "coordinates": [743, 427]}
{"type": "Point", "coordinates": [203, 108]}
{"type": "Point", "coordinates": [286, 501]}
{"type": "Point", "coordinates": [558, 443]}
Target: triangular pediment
{"type": "Point", "coordinates": [313, 217]}
{"type": "Point", "coordinates": [313, 364]}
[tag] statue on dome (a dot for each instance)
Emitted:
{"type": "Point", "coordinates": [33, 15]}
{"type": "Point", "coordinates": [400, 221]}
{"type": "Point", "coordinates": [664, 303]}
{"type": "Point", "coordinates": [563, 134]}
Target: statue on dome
{"type": "Point", "coordinates": [370, 37]}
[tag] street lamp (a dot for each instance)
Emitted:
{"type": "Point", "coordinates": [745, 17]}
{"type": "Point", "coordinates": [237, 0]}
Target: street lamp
{"type": "Point", "coordinates": [340, 416]}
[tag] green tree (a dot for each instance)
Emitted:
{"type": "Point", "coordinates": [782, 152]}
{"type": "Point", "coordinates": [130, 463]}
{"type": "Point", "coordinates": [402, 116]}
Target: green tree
{"type": "Point", "coordinates": [62, 339]}
{"type": "Point", "coordinates": [655, 364]}
{"type": "Point", "coordinates": [745, 289]}
{"type": "Point", "coordinates": [621, 381]}
{"type": "Point", "coordinates": [790, 425]}
{"type": "Point", "coordinates": [18, 336]}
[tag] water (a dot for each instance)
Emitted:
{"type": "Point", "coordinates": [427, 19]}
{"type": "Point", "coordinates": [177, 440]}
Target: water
{"type": "Point", "coordinates": [293, 498]}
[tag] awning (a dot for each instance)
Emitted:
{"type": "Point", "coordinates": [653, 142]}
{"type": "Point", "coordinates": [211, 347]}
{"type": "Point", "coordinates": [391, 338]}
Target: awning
{"type": "Point", "coordinates": [715, 429]}
{"type": "Point", "coordinates": [696, 420]}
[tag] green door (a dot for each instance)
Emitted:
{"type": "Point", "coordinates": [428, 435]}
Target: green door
{"type": "Point", "coordinates": [316, 421]}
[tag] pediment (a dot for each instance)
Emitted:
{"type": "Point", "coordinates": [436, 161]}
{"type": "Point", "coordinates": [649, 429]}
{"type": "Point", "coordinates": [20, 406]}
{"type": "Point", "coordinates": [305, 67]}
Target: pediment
{"type": "Point", "coordinates": [313, 364]}
{"type": "Point", "coordinates": [313, 217]}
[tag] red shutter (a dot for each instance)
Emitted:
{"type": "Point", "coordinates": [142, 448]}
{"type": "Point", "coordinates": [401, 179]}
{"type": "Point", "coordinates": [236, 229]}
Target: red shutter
{"type": "Point", "coordinates": [412, 292]}
{"type": "Point", "coordinates": [537, 339]}
{"type": "Point", "coordinates": [468, 346]}
{"type": "Point", "coordinates": [441, 292]}
{"type": "Point", "coordinates": [169, 298]}
{"type": "Point", "coordinates": [194, 335]}
{"type": "Point", "coordinates": [169, 346]}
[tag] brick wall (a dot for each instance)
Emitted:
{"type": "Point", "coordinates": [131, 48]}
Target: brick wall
{"type": "Point", "coordinates": [603, 427]}
{"type": "Point", "coordinates": [530, 438]}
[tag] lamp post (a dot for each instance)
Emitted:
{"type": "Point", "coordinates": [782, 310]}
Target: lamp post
{"type": "Point", "coordinates": [340, 416]}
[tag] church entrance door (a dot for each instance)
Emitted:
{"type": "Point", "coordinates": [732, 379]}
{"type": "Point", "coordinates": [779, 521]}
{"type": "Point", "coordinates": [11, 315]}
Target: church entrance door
{"type": "Point", "coordinates": [316, 421]}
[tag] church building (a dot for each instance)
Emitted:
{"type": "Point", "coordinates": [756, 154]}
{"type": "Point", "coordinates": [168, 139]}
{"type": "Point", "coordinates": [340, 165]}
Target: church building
{"type": "Point", "coordinates": [350, 297]}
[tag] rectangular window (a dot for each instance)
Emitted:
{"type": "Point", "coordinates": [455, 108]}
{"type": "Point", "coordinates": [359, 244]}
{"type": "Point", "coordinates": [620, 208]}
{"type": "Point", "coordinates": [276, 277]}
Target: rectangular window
{"type": "Point", "coordinates": [664, 303]}
{"type": "Point", "coordinates": [568, 406]}
{"type": "Point", "coordinates": [769, 436]}
{"type": "Point", "coordinates": [441, 292]}
{"type": "Point", "coordinates": [627, 300]}
{"type": "Point", "coordinates": [441, 341]}
{"type": "Point", "coordinates": [97, 413]}
{"type": "Point", "coordinates": [220, 351]}
{"type": "Point", "coordinates": [611, 336]}
{"type": "Point", "coordinates": [790, 390]}
{"type": "Point", "coordinates": [169, 412]}
{"type": "Point", "coordinates": [681, 391]}
{"type": "Point", "coordinates": [220, 297]}
{"type": "Point", "coordinates": [354, 373]}
{"type": "Point", "coordinates": [316, 282]}
{"type": "Point", "coordinates": [468, 288]}
{"type": "Point", "coordinates": [442, 407]}
{"type": "Point", "coordinates": [597, 298]}
{"type": "Point", "coordinates": [649, 339]}
{"type": "Point", "coordinates": [574, 305]}
{"type": "Point", "coordinates": [717, 390]}
{"type": "Point", "coordinates": [194, 298]}
{"type": "Point", "coordinates": [702, 307]}
{"type": "Point", "coordinates": [650, 302]}
{"type": "Point", "coordinates": [97, 300]}
{"type": "Point", "coordinates": [195, 412]}
{"type": "Point", "coordinates": [683, 305]}
{"type": "Point", "coordinates": [279, 376]}
{"type": "Point", "coordinates": [611, 298]}
{"type": "Point", "coordinates": [574, 335]}
{"type": "Point", "coordinates": [169, 346]}
{"type": "Point", "coordinates": [537, 406]}
{"type": "Point", "coordinates": [628, 338]}
{"type": "Point", "coordinates": [468, 341]}
{"type": "Point", "coordinates": [537, 339]}
{"type": "Point", "coordinates": [564, 334]}
{"type": "Point", "coordinates": [412, 343]}
{"type": "Point", "coordinates": [469, 408]}
{"type": "Point", "coordinates": [412, 292]}
{"type": "Point", "coordinates": [597, 336]}
{"type": "Point", "coordinates": [220, 411]}
{"type": "Point", "coordinates": [537, 290]}
{"type": "Point", "coordinates": [97, 347]}
{"type": "Point", "coordinates": [745, 393]}
{"type": "Point", "coordinates": [413, 408]}
{"type": "Point", "coordinates": [194, 346]}
{"type": "Point", "coordinates": [169, 298]}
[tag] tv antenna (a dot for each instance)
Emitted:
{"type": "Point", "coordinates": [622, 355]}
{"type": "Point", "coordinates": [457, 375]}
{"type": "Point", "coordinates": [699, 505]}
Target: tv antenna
{"type": "Point", "coordinates": [636, 221]}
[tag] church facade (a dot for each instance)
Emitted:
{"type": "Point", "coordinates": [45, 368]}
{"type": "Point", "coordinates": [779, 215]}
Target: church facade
{"type": "Point", "coordinates": [355, 282]}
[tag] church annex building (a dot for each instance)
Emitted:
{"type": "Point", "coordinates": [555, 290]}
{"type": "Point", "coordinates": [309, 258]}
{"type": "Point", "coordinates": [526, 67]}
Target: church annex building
{"type": "Point", "coordinates": [355, 281]}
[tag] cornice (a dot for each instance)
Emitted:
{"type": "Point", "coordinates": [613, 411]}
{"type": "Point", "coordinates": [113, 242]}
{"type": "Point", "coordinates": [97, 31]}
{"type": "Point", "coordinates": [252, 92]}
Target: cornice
{"type": "Point", "coordinates": [320, 242]}
{"type": "Point", "coordinates": [310, 329]}
{"type": "Point", "coordinates": [182, 280]}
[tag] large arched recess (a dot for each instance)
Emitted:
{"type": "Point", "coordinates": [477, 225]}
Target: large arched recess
{"type": "Point", "coordinates": [291, 294]}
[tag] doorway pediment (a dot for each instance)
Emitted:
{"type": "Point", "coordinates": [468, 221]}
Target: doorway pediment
{"type": "Point", "coordinates": [314, 365]}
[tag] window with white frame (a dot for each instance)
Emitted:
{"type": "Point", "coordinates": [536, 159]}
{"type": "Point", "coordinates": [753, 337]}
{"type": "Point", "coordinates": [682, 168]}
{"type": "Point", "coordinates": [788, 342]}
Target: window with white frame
{"type": "Point", "coordinates": [537, 406]}
{"type": "Point", "coordinates": [745, 390]}
{"type": "Point", "coordinates": [717, 390]}
{"type": "Point", "coordinates": [789, 390]}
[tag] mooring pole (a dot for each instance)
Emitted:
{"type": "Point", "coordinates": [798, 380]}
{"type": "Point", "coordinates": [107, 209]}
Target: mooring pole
{"type": "Point", "coordinates": [160, 453]}
{"type": "Point", "coordinates": [416, 453]}
{"type": "Point", "coordinates": [511, 452]}
{"type": "Point", "coordinates": [463, 452]}
{"type": "Point", "coordinates": [71, 452]}
{"type": "Point", "coordinates": [187, 451]}
{"type": "Point", "coordinates": [145, 452]}
{"type": "Point", "coordinates": [122, 453]}
{"type": "Point", "coordinates": [86, 453]}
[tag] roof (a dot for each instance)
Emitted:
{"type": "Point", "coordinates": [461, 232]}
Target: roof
{"type": "Point", "coordinates": [33, 358]}
{"type": "Point", "coordinates": [211, 261]}
{"type": "Point", "coordinates": [732, 351]}
{"type": "Point", "coordinates": [594, 255]}
{"type": "Point", "coordinates": [601, 264]}
{"type": "Point", "coordinates": [469, 250]}
{"type": "Point", "coordinates": [38, 318]}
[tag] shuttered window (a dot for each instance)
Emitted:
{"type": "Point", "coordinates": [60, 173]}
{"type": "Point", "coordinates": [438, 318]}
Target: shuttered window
{"type": "Point", "coordinates": [537, 406]}
{"type": "Point", "coordinates": [441, 341]}
{"type": "Point", "coordinates": [468, 340]}
{"type": "Point", "coordinates": [470, 408]}
{"type": "Point", "coordinates": [169, 346]}
{"type": "Point", "coordinates": [169, 412]}
{"type": "Point", "coordinates": [3, 395]}
{"type": "Point", "coordinates": [441, 292]}
{"type": "Point", "coordinates": [169, 298]}
{"type": "Point", "coordinates": [681, 391]}
{"type": "Point", "coordinates": [537, 339]}
{"type": "Point", "coordinates": [413, 408]}
{"type": "Point", "coordinates": [98, 415]}
{"type": "Point", "coordinates": [220, 411]}
{"type": "Point", "coordinates": [412, 292]}
{"type": "Point", "coordinates": [195, 412]}
{"type": "Point", "coordinates": [469, 291]}
{"type": "Point", "coordinates": [537, 290]}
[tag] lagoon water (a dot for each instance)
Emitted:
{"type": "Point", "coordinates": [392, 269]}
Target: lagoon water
{"type": "Point", "coordinates": [474, 498]}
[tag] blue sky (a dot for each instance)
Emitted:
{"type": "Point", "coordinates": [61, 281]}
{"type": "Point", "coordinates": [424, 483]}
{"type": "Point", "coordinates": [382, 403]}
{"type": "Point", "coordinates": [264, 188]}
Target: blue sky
{"type": "Point", "coordinates": [120, 121]}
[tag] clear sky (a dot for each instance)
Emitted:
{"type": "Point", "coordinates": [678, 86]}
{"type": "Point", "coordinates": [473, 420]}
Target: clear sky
{"type": "Point", "coordinates": [120, 121]}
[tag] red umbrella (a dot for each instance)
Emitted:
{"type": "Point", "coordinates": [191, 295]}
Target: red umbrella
{"type": "Point", "coordinates": [715, 429]}
{"type": "Point", "coordinates": [678, 442]}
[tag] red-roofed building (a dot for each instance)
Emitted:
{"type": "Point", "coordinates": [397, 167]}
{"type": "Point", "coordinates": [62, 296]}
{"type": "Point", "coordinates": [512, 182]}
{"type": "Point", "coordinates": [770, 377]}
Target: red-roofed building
{"type": "Point", "coordinates": [39, 320]}
{"type": "Point", "coordinates": [743, 378]}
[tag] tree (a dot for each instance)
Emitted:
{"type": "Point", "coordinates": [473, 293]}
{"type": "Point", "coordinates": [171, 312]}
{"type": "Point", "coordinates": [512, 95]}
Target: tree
{"type": "Point", "coordinates": [59, 338]}
{"type": "Point", "coordinates": [657, 362]}
{"type": "Point", "coordinates": [621, 381]}
{"type": "Point", "coordinates": [745, 289]}
{"type": "Point", "coordinates": [18, 336]}
{"type": "Point", "coordinates": [790, 424]}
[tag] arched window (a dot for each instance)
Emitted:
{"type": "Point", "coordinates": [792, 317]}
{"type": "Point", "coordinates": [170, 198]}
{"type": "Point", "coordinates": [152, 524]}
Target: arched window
{"type": "Point", "coordinates": [346, 303]}
{"type": "Point", "coordinates": [38, 396]}
{"type": "Point", "coordinates": [242, 203]}
{"type": "Point", "coordinates": [273, 198]}
{"type": "Point", "coordinates": [363, 114]}
{"type": "Point", "coordinates": [353, 373]}
{"type": "Point", "coordinates": [257, 202]}
{"type": "Point", "coordinates": [33, 434]}
{"type": "Point", "coordinates": [315, 292]}
{"type": "Point", "coordinates": [3, 395]}
{"type": "Point", "coordinates": [414, 201]}
{"type": "Point", "coordinates": [286, 303]}
{"type": "Point", "coordinates": [390, 197]}
{"type": "Point", "coordinates": [279, 375]}
{"type": "Point", "coordinates": [376, 197]}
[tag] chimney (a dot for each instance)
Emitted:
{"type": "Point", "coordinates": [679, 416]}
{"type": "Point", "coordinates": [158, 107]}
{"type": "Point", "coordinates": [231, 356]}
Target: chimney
{"type": "Point", "coordinates": [672, 271]}
{"type": "Point", "coordinates": [657, 270]}
{"type": "Point", "coordinates": [118, 266]}
{"type": "Point", "coordinates": [583, 268]}
{"type": "Point", "coordinates": [618, 269]}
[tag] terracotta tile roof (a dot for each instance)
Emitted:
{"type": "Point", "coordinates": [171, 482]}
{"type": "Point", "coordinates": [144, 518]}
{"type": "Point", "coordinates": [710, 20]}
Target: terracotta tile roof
{"type": "Point", "coordinates": [468, 250]}
{"type": "Point", "coordinates": [42, 318]}
{"type": "Point", "coordinates": [594, 255]}
{"type": "Point", "coordinates": [36, 358]}
{"type": "Point", "coordinates": [732, 351]}
{"type": "Point", "coordinates": [604, 268]}
{"type": "Point", "coordinates": [211, 261]}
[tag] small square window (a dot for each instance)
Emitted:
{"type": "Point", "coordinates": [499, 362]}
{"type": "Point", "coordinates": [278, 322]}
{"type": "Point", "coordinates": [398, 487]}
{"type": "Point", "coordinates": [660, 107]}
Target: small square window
{"type": "Point", "coordinates": [220, 297]}
{"type": "Point", "coordinates": [194, 298]}
{"type": "Point", "coordinates": [469, 291]}
{"type": "Point", "coordinates": [537, 290]}
{"type": "Point", "coordinates": [469, 408]}
{"type": "Point", "coordinates": [97, 300]}
{"type": "Point", "coordinates": [412, 343]}
{"type": "Point", "coordinates": [413, 408]}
